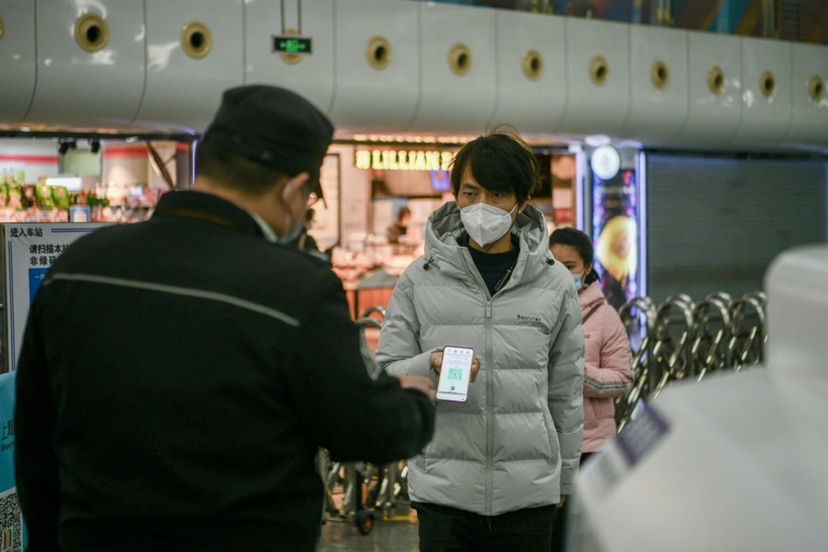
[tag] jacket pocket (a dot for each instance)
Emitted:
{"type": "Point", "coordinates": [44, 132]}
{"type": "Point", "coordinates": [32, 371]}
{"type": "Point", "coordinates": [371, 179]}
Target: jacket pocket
{"type": "Point", "coordinates": [603, 408]}
{"type": "Point", "coordinates": [552, 448]}
{"type": "Point", "coordinates": [590, 415]}
{"type": "Point", "coordinates": [596, 410]}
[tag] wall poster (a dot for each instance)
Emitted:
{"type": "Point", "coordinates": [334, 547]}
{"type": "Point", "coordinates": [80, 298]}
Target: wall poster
{"type": "Point", "coordinates": [615, 219]}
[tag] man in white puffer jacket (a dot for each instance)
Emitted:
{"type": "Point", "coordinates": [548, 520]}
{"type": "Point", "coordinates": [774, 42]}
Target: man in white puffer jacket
{"type": "Point", "coordinates": [501, 463]}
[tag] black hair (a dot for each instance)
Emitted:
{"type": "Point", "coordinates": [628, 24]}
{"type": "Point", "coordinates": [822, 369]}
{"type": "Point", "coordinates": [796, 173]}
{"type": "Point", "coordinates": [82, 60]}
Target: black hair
{"type": "Point", "coordinates": [500, 162]}
{"type": "Point", "coordinates": [404, 211]}
{"type": "Point", "coordinates": [582, 245]}
{"type": "Point", "coordinates": [235, 171]}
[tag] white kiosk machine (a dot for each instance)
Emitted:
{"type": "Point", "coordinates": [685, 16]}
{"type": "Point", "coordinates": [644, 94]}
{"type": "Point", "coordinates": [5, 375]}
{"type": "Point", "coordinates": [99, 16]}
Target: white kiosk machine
{"type": "Point", "coordinates": [736, 462]}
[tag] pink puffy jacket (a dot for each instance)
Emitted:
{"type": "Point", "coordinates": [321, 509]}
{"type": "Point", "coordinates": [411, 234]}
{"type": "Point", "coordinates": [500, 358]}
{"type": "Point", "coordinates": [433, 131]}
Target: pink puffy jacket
{"type": "Point", "coordinates": [607, 367]}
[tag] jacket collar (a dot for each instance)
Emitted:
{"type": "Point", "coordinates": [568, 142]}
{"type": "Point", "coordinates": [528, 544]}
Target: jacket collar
{"type": "Point", "coordinates": [591, 295]}
{"type": "Point", "coordinates": [210, 208]}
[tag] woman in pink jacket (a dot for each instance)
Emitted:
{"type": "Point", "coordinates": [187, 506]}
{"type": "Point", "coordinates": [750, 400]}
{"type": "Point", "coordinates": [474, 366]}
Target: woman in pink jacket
{"type": "Point", "coordinates": [607, 357]}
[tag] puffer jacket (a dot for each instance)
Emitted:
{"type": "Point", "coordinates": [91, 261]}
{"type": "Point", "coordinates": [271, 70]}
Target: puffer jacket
{"type": "Point", "coordinates": [607, 367]}
{"type": "Point", "coordinates": [515, 443]}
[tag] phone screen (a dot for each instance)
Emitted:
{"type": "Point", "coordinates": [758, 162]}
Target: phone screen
{"type": "Point", "coordinates": [455, 373]}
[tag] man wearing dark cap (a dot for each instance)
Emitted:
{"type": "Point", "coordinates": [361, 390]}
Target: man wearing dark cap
{"type": "Point", "coordinates": [178, 375]}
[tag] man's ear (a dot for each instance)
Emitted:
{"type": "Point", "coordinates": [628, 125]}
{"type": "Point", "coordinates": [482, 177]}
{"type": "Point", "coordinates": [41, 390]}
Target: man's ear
{"type": "Point", "coordinates": [294, 185]}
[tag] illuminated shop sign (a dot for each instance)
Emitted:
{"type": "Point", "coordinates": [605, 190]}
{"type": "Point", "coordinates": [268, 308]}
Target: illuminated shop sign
{"type": "Point", "coordinates": [401, 160]}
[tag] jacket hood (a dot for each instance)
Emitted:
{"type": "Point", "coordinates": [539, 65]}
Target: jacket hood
{"type": "Point", "coordinates": [445, 238]}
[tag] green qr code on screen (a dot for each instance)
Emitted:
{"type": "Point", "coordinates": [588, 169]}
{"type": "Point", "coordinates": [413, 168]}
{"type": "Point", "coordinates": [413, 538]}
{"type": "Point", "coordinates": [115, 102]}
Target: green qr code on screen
{"type": "Point", "coordinates": [455, 374]}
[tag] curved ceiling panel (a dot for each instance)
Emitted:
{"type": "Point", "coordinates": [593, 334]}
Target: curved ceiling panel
{"type": "Point", "coordinates": [457, 60]}
{"type": "Point", "coordinates": [90, 64]}
{"type": "Point", "coordinates": [193, 55]}
{"type": "Point", "coordinates": [658, 81]}
{"type": "Point", "coordinates": [310, 74]}
{"type": "Point", "coordinates": [377, 66]}
{"type": "Point", "coordinates": [766, 92]}
{"type": "Point", "coordinates": [406, 68]}
{"type": "Point", "coordinates": [531, 94]}
{"type": "Point", "coordinates": [809, 78]}
{"type": "Point", "coordinates": [597, 77]}
{"type": "Point", "coordinates": [17, 60]}
{"type": "Point", "coordinates": [714, 89]}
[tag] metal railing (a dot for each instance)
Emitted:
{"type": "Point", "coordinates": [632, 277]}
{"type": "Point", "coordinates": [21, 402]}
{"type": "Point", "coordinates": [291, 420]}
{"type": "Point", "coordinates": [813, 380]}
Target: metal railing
{"type": "Point", "coordinates": [355, 490]}
{"type": "Point", "coordinates": [683, 340]}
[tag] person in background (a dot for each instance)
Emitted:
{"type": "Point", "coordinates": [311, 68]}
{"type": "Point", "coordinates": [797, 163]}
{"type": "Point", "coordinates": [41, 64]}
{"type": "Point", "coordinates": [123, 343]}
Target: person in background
{"type": "Point", "coordinates": [307, 242]}
{"type": "Point", "coordinates": [178, 375]}
{"type": "Point", "coordinates": [502, 461]}
{"type": "Point", "coordinates": [399, 227]}
{"type": "Point", "coordinates": [607, 361]}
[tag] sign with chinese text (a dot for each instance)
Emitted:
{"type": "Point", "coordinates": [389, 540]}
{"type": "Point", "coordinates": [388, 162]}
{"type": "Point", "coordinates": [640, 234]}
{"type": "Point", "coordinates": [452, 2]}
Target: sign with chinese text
{"type": "Point", "coordinates": [31, 249]}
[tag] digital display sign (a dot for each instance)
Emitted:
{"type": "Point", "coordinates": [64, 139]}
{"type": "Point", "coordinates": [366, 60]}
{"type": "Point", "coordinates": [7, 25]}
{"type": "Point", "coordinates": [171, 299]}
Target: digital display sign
{"type": "Point", "coordinates": [615, 230]}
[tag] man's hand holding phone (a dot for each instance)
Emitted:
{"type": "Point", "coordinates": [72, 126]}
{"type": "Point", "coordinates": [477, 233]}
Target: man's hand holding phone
{"type": "Point", "coordinates": [435, 361]}
{"type": "Point", "coordinates": [457, 368]}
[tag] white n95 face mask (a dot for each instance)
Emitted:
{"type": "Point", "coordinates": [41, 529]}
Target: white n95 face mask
{"type": "Point", "coordinates": [486, 224]}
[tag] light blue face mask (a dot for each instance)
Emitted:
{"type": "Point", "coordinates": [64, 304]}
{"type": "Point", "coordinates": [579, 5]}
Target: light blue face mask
{"type": "Point", "coordinates": [577, 279]}
{"type": "Point", "coordinates": [293, 237]}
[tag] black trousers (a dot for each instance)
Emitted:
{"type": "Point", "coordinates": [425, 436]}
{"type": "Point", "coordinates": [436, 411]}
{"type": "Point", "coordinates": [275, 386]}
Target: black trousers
{"type": "Point", "coordinates": [444, 529]}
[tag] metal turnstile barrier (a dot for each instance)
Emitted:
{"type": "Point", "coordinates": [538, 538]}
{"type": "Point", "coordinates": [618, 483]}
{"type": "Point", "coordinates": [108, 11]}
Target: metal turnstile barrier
{"type": "Point", "coordinates": [638, 317]}
{"type": "Point", "coordinates": [681, 340]}
{"type": "Point", "coordinates": [748, 335]}
{"type": "Point", "coordinates": [388, 484]}
{"type": "Point", "coordinates": [355, 490]}
{"type": "Point", "coordinates": [671, 356]}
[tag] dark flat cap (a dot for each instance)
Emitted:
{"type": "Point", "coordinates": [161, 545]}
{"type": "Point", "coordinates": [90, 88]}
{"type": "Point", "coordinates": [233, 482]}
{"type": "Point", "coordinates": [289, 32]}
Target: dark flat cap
{"type": "Point", "coordinates": [272, 126]}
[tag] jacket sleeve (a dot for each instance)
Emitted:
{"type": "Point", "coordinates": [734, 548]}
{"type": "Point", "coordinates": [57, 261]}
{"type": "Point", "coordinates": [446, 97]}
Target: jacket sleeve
{"type": "Point", "coordinates": [357, 411]}
{"type": "Point", "coordinates": [566, 380]}
{"type": "Point", "coordinates": [399, 350]}
{"type": "Point", "coordinates": [612, 377]}
{"type": "Point", "coordinates": [35, 460]}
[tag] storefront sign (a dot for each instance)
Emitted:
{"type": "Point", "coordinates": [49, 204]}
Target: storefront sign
{"type": "Point", "coordinates": [30, 250]}
{"type": "Point", "coordinates": [402, 160]}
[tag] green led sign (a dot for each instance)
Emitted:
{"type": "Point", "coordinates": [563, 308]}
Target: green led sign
{"type": "Point", "coordinates": [291, 45]}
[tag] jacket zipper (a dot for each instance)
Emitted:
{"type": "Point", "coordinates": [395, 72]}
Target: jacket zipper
{"type": "Point", "coordinates": [489, 412]}
{"type": "Point", "coordinates": [472, 270]}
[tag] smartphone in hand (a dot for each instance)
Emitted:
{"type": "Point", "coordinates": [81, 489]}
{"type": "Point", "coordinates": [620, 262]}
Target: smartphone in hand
{"type": "Point", "coordinates": [455, 374]}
